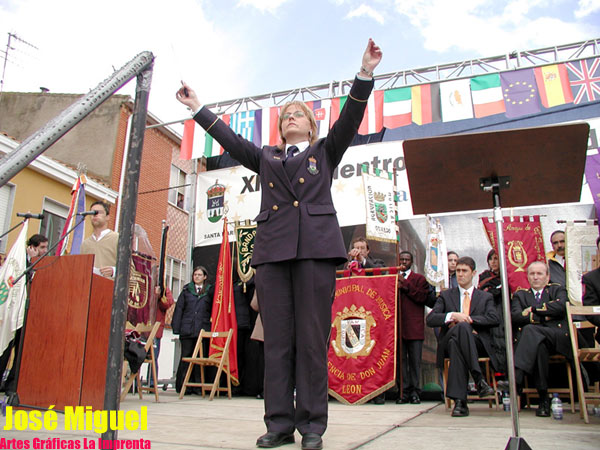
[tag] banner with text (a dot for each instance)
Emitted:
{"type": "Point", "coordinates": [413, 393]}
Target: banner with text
{"type": "Point", "coordinates": [362, 354]}
{"type": "Point", "coordinates": [523, 244]}
{"type": "Point", "coordinates": [235, 191]}
{"type": "Point", "coordinates": [380, 208]}
{"type": "Point", "coordinates": [580, 256]}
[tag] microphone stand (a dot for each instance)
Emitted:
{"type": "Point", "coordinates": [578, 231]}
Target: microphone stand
{"type": "Point", "coordinates": [16, 226]}
{"type": "Point", "coordinates": [13, 397]}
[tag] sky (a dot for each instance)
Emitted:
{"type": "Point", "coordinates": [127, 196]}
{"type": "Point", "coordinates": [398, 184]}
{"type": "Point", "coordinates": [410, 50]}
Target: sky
{"type": "Point", "coordinates": [227, 49]}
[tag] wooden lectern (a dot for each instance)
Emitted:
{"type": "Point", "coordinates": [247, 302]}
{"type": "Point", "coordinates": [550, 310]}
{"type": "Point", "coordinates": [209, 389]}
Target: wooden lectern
{"type": "Point", "coordinates": [66, 335]}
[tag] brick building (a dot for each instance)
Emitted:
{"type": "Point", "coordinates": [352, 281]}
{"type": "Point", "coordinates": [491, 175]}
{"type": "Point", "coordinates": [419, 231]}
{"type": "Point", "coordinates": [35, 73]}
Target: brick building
{"type": "Point", "coordinates": [98, 143]}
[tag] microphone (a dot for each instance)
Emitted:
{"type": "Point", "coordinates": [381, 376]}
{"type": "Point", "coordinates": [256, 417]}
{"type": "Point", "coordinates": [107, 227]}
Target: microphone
{"type": "Point", "coordinates": [88, 213]}
{"type": "Point", "coordinates": [31, 216]}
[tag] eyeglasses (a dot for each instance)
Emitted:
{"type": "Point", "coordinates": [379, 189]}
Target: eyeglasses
{"type": "Point", "coordinates": [296, 114]}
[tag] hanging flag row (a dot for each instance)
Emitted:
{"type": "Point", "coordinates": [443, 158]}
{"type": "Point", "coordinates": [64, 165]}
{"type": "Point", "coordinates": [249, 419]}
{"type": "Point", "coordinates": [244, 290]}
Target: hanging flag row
{"type": "Point", "coordinates": [514, 93]}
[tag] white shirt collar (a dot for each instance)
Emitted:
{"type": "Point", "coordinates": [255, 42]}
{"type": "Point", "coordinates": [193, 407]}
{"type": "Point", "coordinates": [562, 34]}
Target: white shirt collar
{"type": "Point", "coordinates": [407, 272]}
{"type": "Point", "coordinates": [102, 234]}
{"type": "Point", "coordinates": [301, 146]}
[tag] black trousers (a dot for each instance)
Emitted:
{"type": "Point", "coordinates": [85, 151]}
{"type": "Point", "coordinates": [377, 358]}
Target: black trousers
{"type": "Point", "coordinates": [412, 351]}
{"type": "Point", "coordinates": [295, 299]}
{"type": "Point", "coordinates": [187, 348]}
{"type": "Point", "coordinates": [536, 344]}
{"type": "Point", "coordinates": [11, 383]}
{"type": "Point", "coordinates": [463, 347]}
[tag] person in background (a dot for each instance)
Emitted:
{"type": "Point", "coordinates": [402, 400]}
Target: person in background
{"type": "Point", "coordinates": [489, 281]}
{"type": "Point", "coordinates": [192, 314]}
{"type": "Point", "coordinates": [413, 294]}
{"type": "Point", "coordinates": [452, 260]}
{"type": "Point", "coordinates": [556, 259]}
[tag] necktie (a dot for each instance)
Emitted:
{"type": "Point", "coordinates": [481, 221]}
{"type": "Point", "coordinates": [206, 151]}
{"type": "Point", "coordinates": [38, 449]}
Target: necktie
{"type": "Point", "coordinates": [466, 305]}
{"type": "Point", "coordinates": [404, 275]}
{"type": "Point", "coordinates": [537, 297]}
{"type": "Point", "coordinates": [290, 152]}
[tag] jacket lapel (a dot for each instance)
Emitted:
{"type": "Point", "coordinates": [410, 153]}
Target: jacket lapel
{"type": "Point", "coordinates": [275, 161]}
{"type": "Point", "coordinates": [455, 297]}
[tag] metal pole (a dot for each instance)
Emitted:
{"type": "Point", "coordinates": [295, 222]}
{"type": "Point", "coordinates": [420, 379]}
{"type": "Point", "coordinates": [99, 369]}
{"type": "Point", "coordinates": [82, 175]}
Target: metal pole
{"type": "Point", "coordinates": [121, 287]}
{"type": "Point", "coordinates": [38, 142]}
{"type": "Point", "coordinates": [512, 388]}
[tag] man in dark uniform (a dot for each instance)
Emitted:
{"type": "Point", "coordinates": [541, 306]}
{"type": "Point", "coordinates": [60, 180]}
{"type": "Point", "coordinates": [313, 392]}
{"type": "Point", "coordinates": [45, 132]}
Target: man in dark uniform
{"type": "Point", "coordinates": [466, 315]}
{"type": "Point", "coordinates": [556, 258]}
{"type": "Point", "coordinates": [297, 247]}
{"type": "Point", "coordinates": [540, 315]}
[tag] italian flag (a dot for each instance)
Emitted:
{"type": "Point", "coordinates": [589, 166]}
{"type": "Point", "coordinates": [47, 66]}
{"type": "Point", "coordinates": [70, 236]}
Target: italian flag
{"type": "Point", "coordinates": [486, 93]}
{"type": "Point", "coordinates": [397, 107]}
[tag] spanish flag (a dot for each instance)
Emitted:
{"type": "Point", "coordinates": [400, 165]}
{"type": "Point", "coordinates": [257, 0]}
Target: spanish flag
{"type": "Point", "coordinates": [553, 84]}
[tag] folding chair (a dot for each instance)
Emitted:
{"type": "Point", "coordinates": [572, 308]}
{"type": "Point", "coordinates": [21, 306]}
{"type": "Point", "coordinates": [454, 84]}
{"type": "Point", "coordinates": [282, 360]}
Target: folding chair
{"type": "Point", "coordinates": [490, 378]}
{"type": "Point", "coordinates": [532, 392]}
{"type": "Point", "coordinates": [220, 361]}
{"type": "Point", "coordinates": [581, 354]}
{"type": "Point", "coordinates": [151, 359]}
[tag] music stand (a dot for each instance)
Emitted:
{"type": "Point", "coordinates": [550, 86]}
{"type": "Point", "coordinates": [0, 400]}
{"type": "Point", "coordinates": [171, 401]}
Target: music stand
{"type": "Point", "coordinates": [533, 166]}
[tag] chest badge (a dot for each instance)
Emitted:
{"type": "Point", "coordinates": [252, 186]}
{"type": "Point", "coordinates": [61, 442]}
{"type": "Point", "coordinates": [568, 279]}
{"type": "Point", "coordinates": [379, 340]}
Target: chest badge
{"type": "Point", "coordinates": [312, 165]}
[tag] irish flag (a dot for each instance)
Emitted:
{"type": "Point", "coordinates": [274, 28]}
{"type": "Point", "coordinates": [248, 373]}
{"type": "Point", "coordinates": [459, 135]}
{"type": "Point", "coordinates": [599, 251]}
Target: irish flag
{"type": "Point", "coordinates": [486, 92]}
{"type": "Point", "coordinates": [397, 107]}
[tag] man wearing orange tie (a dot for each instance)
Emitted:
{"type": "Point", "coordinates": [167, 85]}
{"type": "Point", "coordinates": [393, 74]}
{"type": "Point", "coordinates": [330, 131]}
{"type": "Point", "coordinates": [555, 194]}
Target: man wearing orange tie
{"type": "Point", "coordinates": [465, 315]}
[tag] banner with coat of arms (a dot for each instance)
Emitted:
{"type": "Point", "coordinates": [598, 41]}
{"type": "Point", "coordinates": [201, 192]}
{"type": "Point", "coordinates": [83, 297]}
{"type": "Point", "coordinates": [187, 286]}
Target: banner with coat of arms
{"type": "Point", "coordinates": [436, 258]}
{"type": "Point", "coordinates": [140, 290]}
{"type": "Point", "coordinates": [523, 244]}
{"type": "Point", "coordinates": [362, 354]}
{"type": "Point", "coordinates": [381, 208]}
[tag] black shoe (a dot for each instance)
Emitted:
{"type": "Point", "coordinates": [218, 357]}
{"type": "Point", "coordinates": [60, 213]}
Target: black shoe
{"type": "Point", "coordinates": [415, 400]}
{"type": "Point", "coordinates": [460, 409]}
{"type": "Point", "coordinates": [402, 400]}
{"type": "Point", "coordinates": [379, 400]}
{"type": "Point", "coordinates": [312, 441]}
{"type": "Point", "coordinates": [484, 389]}
{"type": "Point", "coordinates": [544, 408]}
{"type": "Point", "coordinates": [273, 439]}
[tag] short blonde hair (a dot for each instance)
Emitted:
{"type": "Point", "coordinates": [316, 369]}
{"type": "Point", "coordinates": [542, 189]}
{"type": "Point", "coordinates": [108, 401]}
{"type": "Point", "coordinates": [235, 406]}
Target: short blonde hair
{"type": "Point", "coordinates": [312, 138]}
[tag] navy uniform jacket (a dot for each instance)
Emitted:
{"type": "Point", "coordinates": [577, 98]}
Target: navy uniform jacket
{"type": "Point", "coordinates": [482, 312]}
{"type": "Point", "coordinates": [550, 312]}
{"type": "Point", "coordinates": [297, 219]}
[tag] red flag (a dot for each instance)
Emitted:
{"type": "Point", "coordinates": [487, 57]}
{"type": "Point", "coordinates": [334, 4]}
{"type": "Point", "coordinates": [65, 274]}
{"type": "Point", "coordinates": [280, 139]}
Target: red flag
{"type": "Point", "coordinates": [187, 142]}
{"type": "Point", "coordinates": [523, 244]}
{"type": "Point", "coordinates": [223, 310]}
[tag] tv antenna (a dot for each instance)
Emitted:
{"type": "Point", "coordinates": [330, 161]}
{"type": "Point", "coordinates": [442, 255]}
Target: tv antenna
{"type": "Point", "coordinates": [13, 40]}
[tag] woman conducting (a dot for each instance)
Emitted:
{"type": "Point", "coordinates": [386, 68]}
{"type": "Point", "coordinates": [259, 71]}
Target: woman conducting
{"type": "Point", "coordinates": [297, 246]}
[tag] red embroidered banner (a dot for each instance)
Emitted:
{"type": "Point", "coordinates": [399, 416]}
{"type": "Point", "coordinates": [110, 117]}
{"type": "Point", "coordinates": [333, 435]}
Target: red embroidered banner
{"type": "Point", "coordinates": [140, 290]}
{"type": "Point", "coordinates": [523, 244]}
{"type": "Point", "coordinates": [362, 354]}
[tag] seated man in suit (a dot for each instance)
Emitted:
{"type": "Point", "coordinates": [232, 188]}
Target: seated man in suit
{"type": "Point", "coordinates": [465, 315]}
{"type": "Point", "coordinates": [540, 315]}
